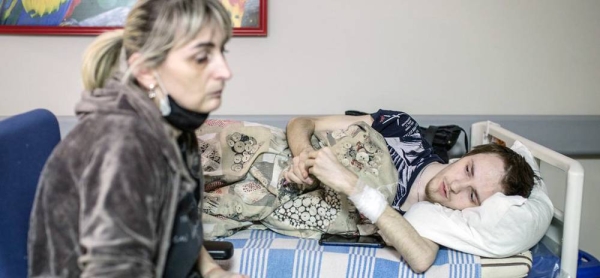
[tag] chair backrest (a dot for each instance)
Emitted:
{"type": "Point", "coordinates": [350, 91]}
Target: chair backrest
{"type": "Point", "coordinates": [26, 141]}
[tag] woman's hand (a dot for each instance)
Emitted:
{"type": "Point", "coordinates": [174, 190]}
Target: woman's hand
{"type": "Point", "coordinates": [323, 164]}
{"type": "Point", "coordinates": [218, 272]}
{"type": "Point", "coordinates": [210, 269]}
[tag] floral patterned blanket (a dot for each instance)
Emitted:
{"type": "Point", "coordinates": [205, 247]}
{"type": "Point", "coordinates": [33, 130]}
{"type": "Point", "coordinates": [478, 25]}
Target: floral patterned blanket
{"type": "Point", "coordinates": [243, 165]}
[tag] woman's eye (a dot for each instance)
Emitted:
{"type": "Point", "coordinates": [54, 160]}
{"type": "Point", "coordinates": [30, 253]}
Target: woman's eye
{"type": "Point", "coordinates": [201, 59]}
{"type": "Point", "coordinates": [202, 56]}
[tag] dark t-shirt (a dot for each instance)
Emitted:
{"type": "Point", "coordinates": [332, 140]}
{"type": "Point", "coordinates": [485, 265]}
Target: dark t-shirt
{"type": "Point", "coordinates": [186, 239]}
{"type": "Point", "coordinates": [410, 151]}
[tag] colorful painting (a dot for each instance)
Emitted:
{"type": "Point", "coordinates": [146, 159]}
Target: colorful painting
{"type": "Point", "coordinates": [90, 17]}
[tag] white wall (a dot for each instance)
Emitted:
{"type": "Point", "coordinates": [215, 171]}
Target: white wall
{"type": "Point", "coordinates": [424, 57]}
{"type": "Point", "coordinates": [321, 57]}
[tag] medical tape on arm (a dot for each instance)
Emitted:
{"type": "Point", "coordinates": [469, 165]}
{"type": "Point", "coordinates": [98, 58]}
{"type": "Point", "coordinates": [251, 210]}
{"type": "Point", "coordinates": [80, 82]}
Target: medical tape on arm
{"type": "Point", "coordinates": [370, 202]}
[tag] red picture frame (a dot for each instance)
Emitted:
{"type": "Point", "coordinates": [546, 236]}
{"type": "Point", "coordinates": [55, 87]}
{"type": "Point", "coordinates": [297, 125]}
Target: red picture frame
{"type": "Point", "coordinates": [252, 22]}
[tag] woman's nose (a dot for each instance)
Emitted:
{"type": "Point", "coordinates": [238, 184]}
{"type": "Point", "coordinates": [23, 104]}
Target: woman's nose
{"type": "Point", "coordinates": [223, 71]}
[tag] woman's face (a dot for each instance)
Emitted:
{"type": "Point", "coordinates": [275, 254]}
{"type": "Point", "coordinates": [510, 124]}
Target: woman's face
{"type": "Point", "coordinates": [195, 73]}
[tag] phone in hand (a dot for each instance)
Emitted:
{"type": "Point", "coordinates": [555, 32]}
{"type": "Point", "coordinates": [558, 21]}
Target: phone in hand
{"type": "Point", "coordinates": [352, 240]}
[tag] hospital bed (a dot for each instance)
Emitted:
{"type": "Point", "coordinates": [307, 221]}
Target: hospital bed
{"type": "Point", "coordinates": [562, 238]}
{"type": "Point", "coordinates": [264, 253]}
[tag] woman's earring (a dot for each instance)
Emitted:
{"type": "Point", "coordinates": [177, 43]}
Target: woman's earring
{"type": "Point", "coordinates": [163, 102]}
{"type": "Point", "coordinates": [152, 92]}
{"type": "Point", "coordinates": [163, 105]}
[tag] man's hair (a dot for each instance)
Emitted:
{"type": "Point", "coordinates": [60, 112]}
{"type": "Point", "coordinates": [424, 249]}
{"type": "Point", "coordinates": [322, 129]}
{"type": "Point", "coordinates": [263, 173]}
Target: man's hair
{"type": "Point", "coordinates": [519, 177]}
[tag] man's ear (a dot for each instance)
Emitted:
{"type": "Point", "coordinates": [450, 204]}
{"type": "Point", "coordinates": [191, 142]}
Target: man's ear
{"type": "Point", "coordinates": [142, 74]}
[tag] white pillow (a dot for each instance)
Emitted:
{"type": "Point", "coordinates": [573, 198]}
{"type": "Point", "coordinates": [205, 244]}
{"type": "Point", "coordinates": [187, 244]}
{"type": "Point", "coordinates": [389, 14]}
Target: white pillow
{"type": "Point", "coordinates": [502, 226]}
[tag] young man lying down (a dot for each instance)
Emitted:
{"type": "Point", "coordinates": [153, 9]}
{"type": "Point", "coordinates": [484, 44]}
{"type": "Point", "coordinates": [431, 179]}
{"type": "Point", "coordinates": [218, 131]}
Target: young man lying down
{"type": "Point", "coordinates": [466, 183]}
{"type": "Point", "coordinates": [350, 172]}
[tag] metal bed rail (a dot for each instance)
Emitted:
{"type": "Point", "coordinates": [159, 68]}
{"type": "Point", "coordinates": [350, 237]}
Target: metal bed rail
{"type": "Point", "coordinates": [481, 133]}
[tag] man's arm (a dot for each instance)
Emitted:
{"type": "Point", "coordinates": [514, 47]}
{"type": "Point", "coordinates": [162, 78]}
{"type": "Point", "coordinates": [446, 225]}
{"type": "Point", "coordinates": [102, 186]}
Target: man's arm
{"type": "Point", "coordinates": [299, 131]}
{"type": "Point", "coordinates": [418, 251]}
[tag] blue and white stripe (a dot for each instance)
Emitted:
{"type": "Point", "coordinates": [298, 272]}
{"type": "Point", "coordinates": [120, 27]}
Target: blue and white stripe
{"type": "Point", "coordinates": [305, 258]}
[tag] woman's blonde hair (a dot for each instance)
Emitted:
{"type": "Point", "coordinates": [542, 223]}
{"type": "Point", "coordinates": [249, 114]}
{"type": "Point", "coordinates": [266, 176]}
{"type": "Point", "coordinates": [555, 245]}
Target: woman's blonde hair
{"type": "Point", "coordinates": [152, 29]}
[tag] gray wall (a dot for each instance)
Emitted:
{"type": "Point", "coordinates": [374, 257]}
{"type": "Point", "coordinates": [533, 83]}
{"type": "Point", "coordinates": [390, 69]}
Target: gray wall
{"type": "Point", "coordinates": [424, 57]}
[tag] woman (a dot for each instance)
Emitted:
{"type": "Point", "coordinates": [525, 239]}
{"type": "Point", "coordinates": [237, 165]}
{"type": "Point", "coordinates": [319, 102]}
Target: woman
{"type": "Point", "coordinates": [118, 197]}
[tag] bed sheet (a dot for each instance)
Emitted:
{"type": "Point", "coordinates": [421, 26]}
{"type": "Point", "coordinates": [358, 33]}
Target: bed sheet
{"type": "Point", "coordinates": [264, 253]}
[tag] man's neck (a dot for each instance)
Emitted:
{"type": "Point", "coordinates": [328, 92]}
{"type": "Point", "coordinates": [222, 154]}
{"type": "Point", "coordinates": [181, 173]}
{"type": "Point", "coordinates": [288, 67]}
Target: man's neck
{"type": "Point", "coordinates": [417, 190]}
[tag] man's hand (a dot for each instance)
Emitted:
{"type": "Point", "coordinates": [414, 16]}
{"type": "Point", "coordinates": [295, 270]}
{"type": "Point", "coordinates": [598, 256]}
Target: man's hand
{"type": "Point", "coordinates": [298, 133]}
{"type": "Point", "coordinates": [323, 164]}
{"type": "Point", "coordinates": [298, 172]}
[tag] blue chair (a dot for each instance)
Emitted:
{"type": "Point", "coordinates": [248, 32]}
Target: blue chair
{"type": "Point", "coordinates": [26, 141]}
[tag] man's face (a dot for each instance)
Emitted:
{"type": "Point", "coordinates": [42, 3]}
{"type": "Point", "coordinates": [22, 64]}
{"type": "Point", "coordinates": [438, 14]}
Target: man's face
{"type": "Point", "coordinates": [466, 182]}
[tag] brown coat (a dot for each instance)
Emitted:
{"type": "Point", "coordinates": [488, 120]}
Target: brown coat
{"type": "Point", "coordinates": [107, 196]}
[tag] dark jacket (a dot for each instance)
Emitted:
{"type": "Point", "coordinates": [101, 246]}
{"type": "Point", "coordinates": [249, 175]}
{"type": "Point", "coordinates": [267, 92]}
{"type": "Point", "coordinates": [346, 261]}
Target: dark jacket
{"type": "Point", "coordinates": [107, 196]}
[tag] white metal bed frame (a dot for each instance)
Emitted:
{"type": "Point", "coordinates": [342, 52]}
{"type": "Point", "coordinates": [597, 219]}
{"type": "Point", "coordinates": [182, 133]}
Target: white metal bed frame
{"type": "Point", "coordinates": [564, 230]}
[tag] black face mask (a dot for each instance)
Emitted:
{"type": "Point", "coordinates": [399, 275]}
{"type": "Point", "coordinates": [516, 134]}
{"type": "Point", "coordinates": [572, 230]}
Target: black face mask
{"type": "Point", "coordinates": [184, 119]}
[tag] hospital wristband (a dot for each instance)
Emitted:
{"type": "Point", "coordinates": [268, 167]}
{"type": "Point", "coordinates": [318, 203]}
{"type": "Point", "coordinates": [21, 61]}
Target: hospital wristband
{"type": "Point", "coordinates": [370, 202]}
